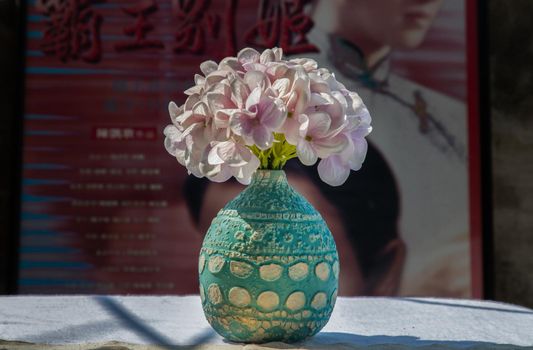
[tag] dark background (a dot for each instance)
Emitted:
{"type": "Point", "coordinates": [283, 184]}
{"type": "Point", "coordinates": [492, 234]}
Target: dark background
{"type": "Point", "coordinates": [511, 103]}
{"type": "Point", "coordinates": [10, 87]}
{"type": "Point", "coordinates": [506, 71]}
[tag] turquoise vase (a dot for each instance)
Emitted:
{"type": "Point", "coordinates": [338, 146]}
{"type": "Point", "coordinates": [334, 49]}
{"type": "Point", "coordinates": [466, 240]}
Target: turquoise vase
{"type": "Point", "coordinates": [268, 266]}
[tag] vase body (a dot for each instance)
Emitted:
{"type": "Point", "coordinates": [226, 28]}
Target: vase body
{"type": "Point", "coordinates": [268, 265]}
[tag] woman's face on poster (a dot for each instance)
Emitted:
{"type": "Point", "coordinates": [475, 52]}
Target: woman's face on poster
{"type": "Point", "coordinates": [396, 23]}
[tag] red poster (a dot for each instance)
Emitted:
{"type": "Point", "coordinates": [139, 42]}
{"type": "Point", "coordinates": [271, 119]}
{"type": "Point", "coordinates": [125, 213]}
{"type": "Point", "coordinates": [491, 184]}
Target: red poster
{"type": "Point", "coordinates": [106, 210]}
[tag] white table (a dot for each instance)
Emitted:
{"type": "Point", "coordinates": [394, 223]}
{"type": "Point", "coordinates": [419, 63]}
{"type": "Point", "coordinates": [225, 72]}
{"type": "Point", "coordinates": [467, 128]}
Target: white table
{"type": "Point", "coordinates": [65, 322]}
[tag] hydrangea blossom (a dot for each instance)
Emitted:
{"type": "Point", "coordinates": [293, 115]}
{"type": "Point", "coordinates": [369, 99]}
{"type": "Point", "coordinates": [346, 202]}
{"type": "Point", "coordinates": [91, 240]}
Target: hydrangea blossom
{"type": "Point", "coordinates": [257, 111]}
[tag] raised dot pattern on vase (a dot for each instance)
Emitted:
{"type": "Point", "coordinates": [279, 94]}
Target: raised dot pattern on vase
{"type": "Point", "coordinates": [268, 300]}
{"type": "Point", "coordinates": [296, 301]}
{"type": "Point", "coordinates": [239, 297]}
{"type": "Point", "coordinates": [322, 271]}
{"type": "Point", "coordinates": [319, 301]}
{"type": "Point", "coordinates": [270, 272]}
{"type": "Point", "coordinates": [214, 294]}
{"type": "Point", "coordinates": [240, 269]}
{"type": "Point", "coordinates": [299, 271]}
{"type": "Point", "coordinates": [264, 278]}
{"type": "Point", "coordinates": [201, 263]}
{"type": "Point", "coordinates": [216, 262]}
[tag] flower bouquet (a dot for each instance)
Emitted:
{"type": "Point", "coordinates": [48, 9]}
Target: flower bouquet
{"type": "Point", "coordinates": [257, 111]}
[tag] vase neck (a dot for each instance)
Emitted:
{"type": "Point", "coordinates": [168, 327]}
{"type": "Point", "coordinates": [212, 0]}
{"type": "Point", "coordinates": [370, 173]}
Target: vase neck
{"type": "Point", "coordinates": [270, 192]}
{"type": "Point", "coordinates": [269, 176]}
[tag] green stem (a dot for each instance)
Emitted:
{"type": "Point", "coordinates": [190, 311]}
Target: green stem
{"type": "Point", "coordinates": [276, 156]}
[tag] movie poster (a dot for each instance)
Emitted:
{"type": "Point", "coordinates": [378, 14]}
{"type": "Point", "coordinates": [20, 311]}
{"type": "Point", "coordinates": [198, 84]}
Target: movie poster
{"type": "Point", "coordinates": [105, 209]}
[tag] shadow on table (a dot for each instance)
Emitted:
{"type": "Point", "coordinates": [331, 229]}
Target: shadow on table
{"type": "Point", "coordinates": [503, 308]}
{"type": "Point", "coordinates": [349, 341]}
{"type": "Point", "coordinates": [326, 340]}
{"type": "Point", "coordinates": [143, 330]}
{"type": "Point", "coordinates": [128, 319]}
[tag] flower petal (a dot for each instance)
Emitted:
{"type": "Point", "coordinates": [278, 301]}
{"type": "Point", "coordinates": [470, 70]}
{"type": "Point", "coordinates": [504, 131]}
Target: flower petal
{"type": "Point", "coordinates": [174, 111]}
{"type": "Point", "coordinates": [360, 147]}
{"type": "Point", "coordinates": [241, 123]}
{"type": "Point", "coordinates": [291, 130]}
{"type": "Point", "coordinates": [218, 101]}
{"type": "Point", "coordinates": [332, 171]}
{"type": "Point", "coordinates": [175, 143]}
{"type": "Point", "coordinates": [193, 90]}
{"type": "Point", "coordinates": [222, 118]}
{"type": "Point", "coordinates": [239, 92]}
{"type": "Point", "coordinates": [185, 119]}
{"type": "Point", "coordinates": [326, 147]}
{"type": "Point", "coordinates": [319, 124]}
{"type": "Point", "coordinates": [248, 55]}
{"type": "Point", "coordinates": [307, 63]}
{"type": "Point", "coordinates": [200, 109]}
{"type": "Point", "coordinates": [278, 53]}
{"type": "Point", "coordinates": [253, 98]}
{"type": "Point", "coordinates": [267, 56]}
{"type": "Point", "coordinates": [256, 79]}
{"type": "Point", "coordinates": [214, 158]}
{"type": "Point", "coordinates": [361, 131]}
{"type": "Point", "coordinates": [229, 152]}
{"type": "Point", "coordinates": [281, 86]}
{"type": "Point", "coordinates": [277, 70]}
{"type": "Point", "coordinates": [208, 67]}
{"type": "Point", "coordinates": [254, 67]}
{"type": "Point", "coordinates": [230, 64]}
{"type": "Point", "coordinates": [215, 77]}
{"type": "Point", "coordinates": [262, 137]}
{"type": "Point", "coordinates": [302, 88]}
{"type": "Point", "coordinates": [222, 175]}
{"type": "Point", "coordinates": [191, 101]}
{"type": "Point", "coordinates": [306, 153]}
{"type": "Point", "coordinates": [244, 173]}
{"type": "Point", "coordinates": [271, 113]}
{"type": "Point", "coordinates": [244, 152]}
{"type": "Point", "coordinates": [303, 128]}
{"type": "Point", "coordinates": [318, 99]}
{"type": "Point", "coordinates": [199, 79]}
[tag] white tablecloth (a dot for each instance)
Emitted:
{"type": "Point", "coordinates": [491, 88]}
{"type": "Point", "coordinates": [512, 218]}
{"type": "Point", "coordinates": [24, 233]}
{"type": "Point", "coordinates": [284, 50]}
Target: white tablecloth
{"type": "Point", "coordinates": [356, 323]}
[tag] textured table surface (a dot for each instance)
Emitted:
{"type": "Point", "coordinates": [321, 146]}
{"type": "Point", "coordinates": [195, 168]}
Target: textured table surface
{"type": "Point", "coordinates": [357, 323]}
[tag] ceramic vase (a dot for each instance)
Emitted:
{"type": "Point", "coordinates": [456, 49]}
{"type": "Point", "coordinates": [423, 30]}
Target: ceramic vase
{"type": "Point", "coordinates": [268, 265]}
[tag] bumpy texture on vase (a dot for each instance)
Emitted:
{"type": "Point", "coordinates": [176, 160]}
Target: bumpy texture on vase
{"type": "Point", "coordinates": [268, 265]}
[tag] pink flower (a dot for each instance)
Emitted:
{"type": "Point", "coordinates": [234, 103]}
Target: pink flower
{"type": "Point", "coordinates": [251, 60]}
{"type": "Point", "coordinates": [230, 158]}
{"type": "Point", "coordinates": [175, 143]}
{"type": "Point", "coordinates": [308, 64]}
{"type": "Point", "coordinates": [263, 115]}
{"type": "Point", "coordinates": [335, 169]}
{"type": "Point", "coordinates": [294, 90]}
{"type": "Point", "coordinates": [317, 139]}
